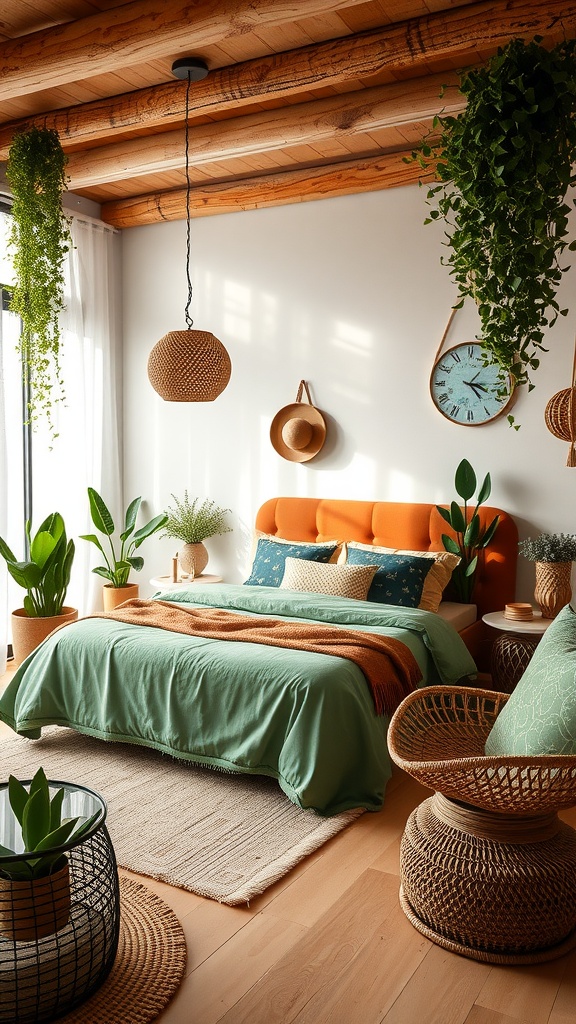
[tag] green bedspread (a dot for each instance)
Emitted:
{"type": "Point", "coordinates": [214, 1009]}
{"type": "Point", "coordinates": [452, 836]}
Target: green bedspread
{"type": "Point", "coordinates": [306, 719]}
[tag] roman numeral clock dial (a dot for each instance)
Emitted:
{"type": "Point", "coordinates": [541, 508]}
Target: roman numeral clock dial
{"type": "Point", "coordinates": [469, 389]}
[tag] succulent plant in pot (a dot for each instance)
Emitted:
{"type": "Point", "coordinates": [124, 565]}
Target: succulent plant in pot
{"type": "Point", "coordinates": [192, 521]}
{"type": "Point", "coordinates": [44, 575]}
{"type": "Point", "coordinates": [34, 881]}
{"type": "Point", "coordinates": [120, 558]}
{"type": "Point", "coordinates": [553, 554]}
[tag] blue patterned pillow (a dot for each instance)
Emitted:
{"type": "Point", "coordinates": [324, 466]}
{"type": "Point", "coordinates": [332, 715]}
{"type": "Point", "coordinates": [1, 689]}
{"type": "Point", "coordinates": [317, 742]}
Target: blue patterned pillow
{"type": "Point", "coordinates": [539, 717]}
{"type": "Point", "coordinates": [270, 559]}
{"type": "Point", "coordinates": [400, 579]}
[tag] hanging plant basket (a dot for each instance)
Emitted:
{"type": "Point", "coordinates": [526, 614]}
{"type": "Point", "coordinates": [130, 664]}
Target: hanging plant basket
{"type": "Point", "coordinates": [504, 167]}
{"type": "Point", "coordinates": [39, 240]}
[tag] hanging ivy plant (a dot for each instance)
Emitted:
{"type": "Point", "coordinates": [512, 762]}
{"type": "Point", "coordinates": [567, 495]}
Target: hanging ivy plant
{"type": "Point", "coordinates": [39, 239]}
{"type": "Point", "coordinates": [504, 167]}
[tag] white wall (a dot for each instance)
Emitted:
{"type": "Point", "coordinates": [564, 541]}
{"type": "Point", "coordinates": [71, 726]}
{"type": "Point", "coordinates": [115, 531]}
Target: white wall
{"type": "Point", "coordinates": [350, 295]}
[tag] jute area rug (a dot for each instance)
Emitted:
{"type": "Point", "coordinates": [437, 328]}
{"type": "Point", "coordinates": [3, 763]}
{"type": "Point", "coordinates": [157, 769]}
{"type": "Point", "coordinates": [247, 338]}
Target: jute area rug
{"type": "Point", "coordinates": [224, 836]}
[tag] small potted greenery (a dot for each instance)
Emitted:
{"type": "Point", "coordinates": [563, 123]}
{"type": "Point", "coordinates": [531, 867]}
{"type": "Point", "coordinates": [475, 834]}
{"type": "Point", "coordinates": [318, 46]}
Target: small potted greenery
{"type": "Point", "coordinates": [120, 559]}
{"type": "Point", "coordinates": [192, 521]}
{"type": "Point", "coordinates": [44, 575]}
{"type": "Point", "coordinates": [470, 537]}
{"type": "Point", "coordinates": [553, 554]}
{"type": "Point", "coordinates": [35, 889]}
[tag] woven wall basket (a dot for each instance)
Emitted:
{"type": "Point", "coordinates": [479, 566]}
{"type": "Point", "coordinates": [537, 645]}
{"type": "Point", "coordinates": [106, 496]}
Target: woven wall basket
{"type": "Point", "coordinates": [189, 366]}
{"type": "Point", "coordinates": [560, 416]}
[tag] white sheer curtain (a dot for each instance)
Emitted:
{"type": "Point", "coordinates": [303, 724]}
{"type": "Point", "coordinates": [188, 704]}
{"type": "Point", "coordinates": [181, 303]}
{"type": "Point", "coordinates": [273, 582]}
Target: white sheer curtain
{"type": "Point", "coordinates": [11, 447]}
{"type": "Point", "coordinates": [3, 508]}
{"type": "Point", "coordinates": [87, 451]}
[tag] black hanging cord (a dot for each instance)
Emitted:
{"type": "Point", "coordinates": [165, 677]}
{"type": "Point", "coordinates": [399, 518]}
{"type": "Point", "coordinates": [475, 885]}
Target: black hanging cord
{"type": "Point", "coordinates": [189, 320]}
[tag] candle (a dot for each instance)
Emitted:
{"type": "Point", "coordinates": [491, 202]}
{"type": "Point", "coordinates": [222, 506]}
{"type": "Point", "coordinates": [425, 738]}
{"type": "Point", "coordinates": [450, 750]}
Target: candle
{"type": "Point", "coordinates": [175, 569]}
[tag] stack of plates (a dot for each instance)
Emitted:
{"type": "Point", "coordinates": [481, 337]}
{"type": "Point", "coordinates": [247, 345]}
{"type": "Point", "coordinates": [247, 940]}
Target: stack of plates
{"type": "Point", "coordinates": [520, 612]}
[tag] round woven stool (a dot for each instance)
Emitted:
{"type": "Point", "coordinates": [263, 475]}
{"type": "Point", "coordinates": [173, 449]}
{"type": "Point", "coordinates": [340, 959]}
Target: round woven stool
{"type": "Point", "coordinates": [494, 887]}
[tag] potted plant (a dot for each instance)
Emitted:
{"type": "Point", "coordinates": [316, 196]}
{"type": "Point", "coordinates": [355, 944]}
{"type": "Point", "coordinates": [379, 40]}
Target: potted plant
{"type": "Point", "coordinates": [40, 238]}
{"type": "Point", "coordinates": [192, 521]}
{"type": "Point", "coordinates": [35, 889]}
{"type": "Point", "coordinates": [470, 537]}
{"type": "Point", "coordinates": [504, 167]}
{"type": "Point", "coordinates": [120, 559]}
{"type": "Point", "coordinates": [553, 554]}
{"type": "Point", "coordinates": [45, 576]}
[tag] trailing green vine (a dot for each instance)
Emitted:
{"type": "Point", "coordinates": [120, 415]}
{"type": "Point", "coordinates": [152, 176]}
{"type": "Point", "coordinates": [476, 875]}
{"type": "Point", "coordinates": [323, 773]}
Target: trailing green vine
{"type": "Point", "coordinates": [40, 238]}
{"type": "Point", "coordinates": [504, 167]}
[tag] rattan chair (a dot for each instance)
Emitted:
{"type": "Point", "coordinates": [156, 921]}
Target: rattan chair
{"type": "Point", "coordinates": [487, 868]}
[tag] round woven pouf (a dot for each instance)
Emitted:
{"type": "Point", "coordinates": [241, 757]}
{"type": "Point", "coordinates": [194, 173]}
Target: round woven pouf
{"type": "Point", "coordinates": [492, 887]}
{"type": "Point", "coordinates": [149, 964]}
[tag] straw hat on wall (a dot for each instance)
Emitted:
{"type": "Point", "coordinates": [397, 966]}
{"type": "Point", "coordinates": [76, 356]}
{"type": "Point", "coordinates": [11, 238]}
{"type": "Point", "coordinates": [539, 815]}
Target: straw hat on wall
{"type": "Point", "coordinates": [298, 431]}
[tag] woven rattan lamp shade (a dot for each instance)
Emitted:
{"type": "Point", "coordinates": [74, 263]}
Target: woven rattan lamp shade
{"type": "Point", "coordinates": [189, 366]}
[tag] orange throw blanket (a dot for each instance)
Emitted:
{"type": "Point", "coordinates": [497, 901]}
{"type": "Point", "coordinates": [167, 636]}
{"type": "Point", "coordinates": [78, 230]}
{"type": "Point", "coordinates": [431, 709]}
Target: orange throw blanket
{"type": "Point", "coordinates": [390, 669]}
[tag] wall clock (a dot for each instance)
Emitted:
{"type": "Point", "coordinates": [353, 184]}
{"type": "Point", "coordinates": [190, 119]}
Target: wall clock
{"type": "Point", "coordinates": [468, 390]}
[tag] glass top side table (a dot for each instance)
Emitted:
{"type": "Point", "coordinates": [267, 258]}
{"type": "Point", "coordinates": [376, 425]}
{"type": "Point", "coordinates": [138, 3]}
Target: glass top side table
{"type": "Point", "coordinates": [58, 933]}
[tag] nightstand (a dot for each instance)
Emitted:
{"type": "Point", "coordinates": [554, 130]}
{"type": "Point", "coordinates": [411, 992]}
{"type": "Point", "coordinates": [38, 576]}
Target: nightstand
{"type": "Point", "coordinates": [513, 647]}
{"type": "Point", "coordinates": [164, 583]}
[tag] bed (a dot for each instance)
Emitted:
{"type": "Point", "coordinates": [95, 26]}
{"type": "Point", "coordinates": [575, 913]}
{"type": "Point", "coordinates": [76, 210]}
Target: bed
{"type": "Point", "coordinates": [305, 717]}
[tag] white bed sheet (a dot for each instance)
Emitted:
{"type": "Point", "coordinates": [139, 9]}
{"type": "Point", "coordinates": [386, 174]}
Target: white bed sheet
{"type": "Point", "coordinates": [458, 615]}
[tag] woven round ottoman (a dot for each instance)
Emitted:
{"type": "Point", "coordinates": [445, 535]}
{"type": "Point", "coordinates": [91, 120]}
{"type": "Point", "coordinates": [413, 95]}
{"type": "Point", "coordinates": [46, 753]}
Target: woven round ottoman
{"type": "Point", "coordinates": [494, 887]}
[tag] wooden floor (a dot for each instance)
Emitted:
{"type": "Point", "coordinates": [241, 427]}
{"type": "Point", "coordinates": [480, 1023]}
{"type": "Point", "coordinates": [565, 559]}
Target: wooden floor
{"type": "Point", "coordinates": [328, 944]}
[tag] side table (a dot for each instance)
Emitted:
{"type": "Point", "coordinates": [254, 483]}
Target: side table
{"type": "Point", "coordinates": [164, 583]}
{"type": "Point", "coordinates": [50, 962]}
{"type": "Point", "coordinates": [513, 647]}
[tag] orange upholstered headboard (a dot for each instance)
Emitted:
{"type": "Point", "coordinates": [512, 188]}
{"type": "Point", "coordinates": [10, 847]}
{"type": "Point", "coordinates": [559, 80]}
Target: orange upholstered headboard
{"type": "Point", "coordinates": [415, 527]}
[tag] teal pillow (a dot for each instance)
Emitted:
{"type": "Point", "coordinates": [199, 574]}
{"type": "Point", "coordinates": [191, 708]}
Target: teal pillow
{"type": "Point", "coordinates": [539, 717]}
{"type": "Point", "coordinates": [270, 559]}
{"type": "Point", "coordinates": [399, 579]}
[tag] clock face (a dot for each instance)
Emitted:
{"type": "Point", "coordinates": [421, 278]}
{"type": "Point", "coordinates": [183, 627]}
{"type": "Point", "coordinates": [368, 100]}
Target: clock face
{"type": "Point", "coordinates": [468, 389]}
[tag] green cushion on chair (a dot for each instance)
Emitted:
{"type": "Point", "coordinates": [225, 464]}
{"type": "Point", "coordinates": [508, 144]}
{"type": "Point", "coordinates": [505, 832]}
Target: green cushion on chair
{"type": "Point", "coordinates": [540, 715]}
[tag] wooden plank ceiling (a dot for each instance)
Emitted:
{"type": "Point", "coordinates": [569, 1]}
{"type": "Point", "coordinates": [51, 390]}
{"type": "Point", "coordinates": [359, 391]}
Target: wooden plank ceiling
{"type": "Point", "coordinates": [304, 98]}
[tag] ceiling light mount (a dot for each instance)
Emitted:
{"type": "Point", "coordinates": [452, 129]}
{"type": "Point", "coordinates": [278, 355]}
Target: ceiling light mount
{"type": "Point", "coordinates": [191, 68]}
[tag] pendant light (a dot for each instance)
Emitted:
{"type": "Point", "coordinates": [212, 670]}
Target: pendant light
{"type": "Point", "coordinates": [189, 366]}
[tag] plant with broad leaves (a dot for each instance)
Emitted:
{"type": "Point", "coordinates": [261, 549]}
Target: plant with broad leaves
{"type": "Point", "coordinates": [45, 574]}
{"type": "Point", "coordinates": [121, 559]}
{"type": "Point", "coordinates": [470, 537]}
{"type": "Point", "coordinates": [44, 833]}
{"type": "Point", "coordinates": [505, 165]}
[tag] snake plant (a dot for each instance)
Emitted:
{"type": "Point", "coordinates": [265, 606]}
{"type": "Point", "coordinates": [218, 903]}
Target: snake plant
{"type": "Point", "coordinates": [43, 831]}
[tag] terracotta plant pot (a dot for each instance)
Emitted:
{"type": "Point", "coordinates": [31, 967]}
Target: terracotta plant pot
{"type": "Point", "coordinates": [193, 558]}
{"type": "Point", "coordinates": [32, 909]}
{"type": "Point", "coordinates": [28, 632]}
{"type": "Point", "coordinates": [113, 596]}
{"type": "Point", "coordinates": [553, 587]}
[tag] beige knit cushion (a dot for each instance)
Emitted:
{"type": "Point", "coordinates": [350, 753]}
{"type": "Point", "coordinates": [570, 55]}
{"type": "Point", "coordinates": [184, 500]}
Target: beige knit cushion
{"type": "Point", "coordinates": [327, 578]}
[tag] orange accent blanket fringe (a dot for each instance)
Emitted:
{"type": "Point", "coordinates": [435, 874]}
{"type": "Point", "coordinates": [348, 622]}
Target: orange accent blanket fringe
{"type": "Point", "coordinates": [390, 669]}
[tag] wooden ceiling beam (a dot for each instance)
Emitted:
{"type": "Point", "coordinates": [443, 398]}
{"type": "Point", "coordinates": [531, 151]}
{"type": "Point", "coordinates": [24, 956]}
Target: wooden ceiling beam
{"type": "Point", "coordinates": [407, 44]}
{"type": "Point", "coordinates": [339, 179]}
{"type": "Point", "coordinates": [136, 32]}
{"type": "Point", "coordinates": [306, 123]}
